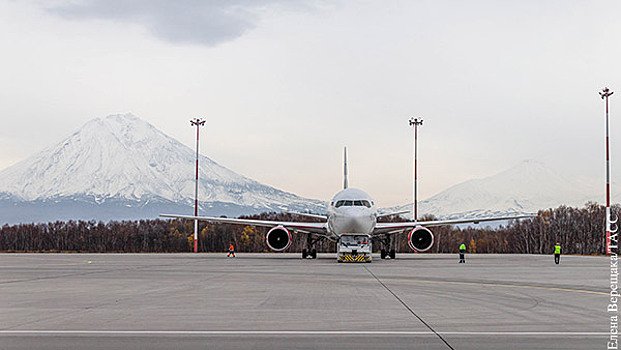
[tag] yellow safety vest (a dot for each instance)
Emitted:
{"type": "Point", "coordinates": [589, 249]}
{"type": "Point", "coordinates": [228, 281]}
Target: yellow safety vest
{"type": "Point", "coordinates": [557, 249]}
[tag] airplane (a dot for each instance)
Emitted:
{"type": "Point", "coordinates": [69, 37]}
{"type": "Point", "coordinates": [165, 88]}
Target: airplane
{"type": "Point", "coordinates": [352, 222]}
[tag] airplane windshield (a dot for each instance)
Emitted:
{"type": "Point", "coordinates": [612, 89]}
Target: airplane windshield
{"type": "Point", "coordinates": [356, 203]}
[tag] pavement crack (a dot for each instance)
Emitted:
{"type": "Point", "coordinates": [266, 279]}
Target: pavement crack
{"type": "Point", "coordinates": [409, 309]}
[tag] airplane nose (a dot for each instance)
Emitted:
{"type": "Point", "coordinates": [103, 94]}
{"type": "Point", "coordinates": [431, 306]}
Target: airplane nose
{"type": "Point", "coordinates": [357, 223]}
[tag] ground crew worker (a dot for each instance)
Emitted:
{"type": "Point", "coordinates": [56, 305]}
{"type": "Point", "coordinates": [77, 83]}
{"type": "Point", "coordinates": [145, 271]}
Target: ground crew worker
{"type": "Point", "coordinates": [462, 253]}
{"type": "Point", "coordinates": [557, 253]}
{"type": "Point", "coordinates": [231, 251]}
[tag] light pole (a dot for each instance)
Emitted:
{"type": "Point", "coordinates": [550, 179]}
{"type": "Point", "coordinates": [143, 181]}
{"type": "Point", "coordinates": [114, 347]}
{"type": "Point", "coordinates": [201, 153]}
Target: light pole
{"type": "Point", "coordinates": [605, 93]}
{"type": "Point", "coordinates": [198, 123]}
{"type": "Point", "coordinates": [415, 122]}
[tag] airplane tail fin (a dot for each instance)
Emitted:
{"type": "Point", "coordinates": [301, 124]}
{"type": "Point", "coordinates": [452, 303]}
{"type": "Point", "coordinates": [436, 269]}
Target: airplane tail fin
{"type": "Point", "coordinates": [345, 183]}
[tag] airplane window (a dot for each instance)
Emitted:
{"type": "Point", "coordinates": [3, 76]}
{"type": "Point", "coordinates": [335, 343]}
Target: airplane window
{"type": "Point", "coordinates": [349, 203]}
{"type": "Point", "coordinates": [340, 204]}
{"type": "Point", "coordinates": [358, 203]}
{"type": "Point", "coordinates": [366, 204]}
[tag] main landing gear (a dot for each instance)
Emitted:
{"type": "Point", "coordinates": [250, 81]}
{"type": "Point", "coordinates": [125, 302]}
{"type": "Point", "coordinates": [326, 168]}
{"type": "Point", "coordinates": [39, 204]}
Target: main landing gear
{"type": "Point", "coordinates": [386, 251]}
{"type": "Point", "coordinates": [310, 251]}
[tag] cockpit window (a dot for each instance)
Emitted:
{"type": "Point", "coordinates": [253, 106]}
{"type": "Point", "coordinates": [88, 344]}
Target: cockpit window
{"type": "Point", "coordinates": [356, 203]}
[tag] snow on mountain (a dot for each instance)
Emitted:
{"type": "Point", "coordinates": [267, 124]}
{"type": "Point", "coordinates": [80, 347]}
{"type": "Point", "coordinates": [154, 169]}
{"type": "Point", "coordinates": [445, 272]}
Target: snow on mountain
{"type": "Point", "coordinates": [121, 167]}
{"type": "Point", "coordinates": [525, 188]}
{"type": "Point", "coordinates": [124, 160]}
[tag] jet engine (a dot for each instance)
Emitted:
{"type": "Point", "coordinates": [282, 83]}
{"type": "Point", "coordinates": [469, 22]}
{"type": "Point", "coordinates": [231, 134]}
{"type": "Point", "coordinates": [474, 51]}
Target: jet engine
{"type": "Point", "coordinates": [420, 239]}
{"type": "Point", "coordinates": [278, 239]}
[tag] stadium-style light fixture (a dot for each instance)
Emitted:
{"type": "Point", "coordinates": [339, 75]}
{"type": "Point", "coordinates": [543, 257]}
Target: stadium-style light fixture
{"type": "Point", "coordinates": [198, 123]}
{"type": "Point", "coordinates": [604, 94]}
{"type": "Point", "coordinates": [415, 122]}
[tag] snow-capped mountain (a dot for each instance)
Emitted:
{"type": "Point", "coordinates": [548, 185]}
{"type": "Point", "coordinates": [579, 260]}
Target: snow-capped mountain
{"type": "Point", "coordinates": [122, 167]}
{"type": "Point", "coordinates": [525, 188]}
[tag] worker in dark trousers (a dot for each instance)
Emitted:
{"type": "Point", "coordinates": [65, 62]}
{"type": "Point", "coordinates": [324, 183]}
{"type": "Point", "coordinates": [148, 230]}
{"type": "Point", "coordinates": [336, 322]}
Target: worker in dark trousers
{"type": "Point", "coordinates": [557, 253]}
{"type": "Point", "coordinates": [462, 253]}
{"type": "Point", "coordinates": [231, 251]}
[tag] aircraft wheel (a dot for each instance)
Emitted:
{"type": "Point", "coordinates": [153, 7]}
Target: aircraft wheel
{"type": "Point", "coordinates": [304, 253]}
{"type": "Point", "coordinates": [393, 254]}
{"type": "Point", "coordinates": [314, 254]}
{"type": "Point", "coordinates": [383, 254]}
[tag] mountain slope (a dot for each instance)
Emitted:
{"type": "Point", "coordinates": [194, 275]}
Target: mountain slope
{"type": "Point", "coordinates": [525, 188]}
{"type": "Point", "coordinates": [123, 161]}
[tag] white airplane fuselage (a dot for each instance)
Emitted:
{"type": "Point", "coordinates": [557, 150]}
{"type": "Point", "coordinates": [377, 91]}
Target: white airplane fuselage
{"type": "Point", "coordinates": [351, 211]}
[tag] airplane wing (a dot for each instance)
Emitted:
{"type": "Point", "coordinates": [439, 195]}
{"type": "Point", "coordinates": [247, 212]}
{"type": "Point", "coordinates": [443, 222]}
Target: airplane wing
{"type": "Point", "coordinates": [392, 227]}
{"type": "Point", "coordinates": [393, 213]}
{"type": "Point", "coordinates": [318, 228]}
{"type": "Point", "coordinates": [314, 216]}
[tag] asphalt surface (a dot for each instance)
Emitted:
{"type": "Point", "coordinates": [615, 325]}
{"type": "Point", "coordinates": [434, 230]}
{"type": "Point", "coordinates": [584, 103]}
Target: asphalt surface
{"type": "Point", "coordinates": [279, 301]}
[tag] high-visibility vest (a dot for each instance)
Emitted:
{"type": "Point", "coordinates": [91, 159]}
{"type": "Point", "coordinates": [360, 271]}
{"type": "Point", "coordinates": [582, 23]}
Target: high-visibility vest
{"type": "Point", "coordinates": [231, 248]}
{"type": "Point", "coordinates": [462, 247]}
{"type": "Point", "coordinates": [557, 249]}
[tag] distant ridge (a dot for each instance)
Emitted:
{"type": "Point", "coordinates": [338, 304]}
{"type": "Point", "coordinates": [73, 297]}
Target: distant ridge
{"type": "Point", "coordinates": [121, 167]}
{"type": "Point", "coordinates": [525, 188]}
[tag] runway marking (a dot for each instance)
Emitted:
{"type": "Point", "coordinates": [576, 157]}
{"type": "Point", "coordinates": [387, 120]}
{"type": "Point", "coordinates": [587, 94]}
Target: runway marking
{"type": "Point", "coordinates": [45, 265]}
{"type": "Point", "coordinates": [410, 310]}
{"type": "Point", "coordinates": [289, 332]}
{"type": "Point", "coordinates": [505, 285]}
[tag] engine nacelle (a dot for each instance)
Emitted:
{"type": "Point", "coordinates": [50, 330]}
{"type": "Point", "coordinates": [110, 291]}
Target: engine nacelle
{"type": "Point", "coordinates": [420, 239]}
{"type": "Point", "coordinates": [278, 239]}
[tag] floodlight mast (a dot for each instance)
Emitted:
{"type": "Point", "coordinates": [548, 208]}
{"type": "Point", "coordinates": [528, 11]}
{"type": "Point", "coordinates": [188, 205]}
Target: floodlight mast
{"type": "Point", "coordinates": [198, 123]}
{"type": "Point", "coordinates": [604, 94]}
{"type": "Point", "coordinates": [415, 122]}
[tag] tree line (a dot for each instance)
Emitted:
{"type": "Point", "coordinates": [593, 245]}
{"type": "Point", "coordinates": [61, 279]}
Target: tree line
{"type": "Point", "coordinates": [579, 230]}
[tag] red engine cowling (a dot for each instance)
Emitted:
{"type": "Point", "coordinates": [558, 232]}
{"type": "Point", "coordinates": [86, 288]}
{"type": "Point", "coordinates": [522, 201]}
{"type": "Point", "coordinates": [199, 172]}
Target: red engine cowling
{"type": "Point", "coordinates": [278, 239]}
{"type": "Point", "coordinates": [420, 239]}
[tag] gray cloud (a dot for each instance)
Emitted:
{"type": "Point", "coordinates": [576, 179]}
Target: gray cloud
{"type": "Point", "coordinates": [180, 21]}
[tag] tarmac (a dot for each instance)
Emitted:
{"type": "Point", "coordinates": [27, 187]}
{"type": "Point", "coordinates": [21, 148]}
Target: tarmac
{"type": "Point", "coordinates": [279, 301]}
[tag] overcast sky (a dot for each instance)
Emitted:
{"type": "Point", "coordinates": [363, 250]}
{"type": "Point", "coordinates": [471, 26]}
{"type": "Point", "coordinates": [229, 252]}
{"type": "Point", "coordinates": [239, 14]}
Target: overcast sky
{"type": "Point", "coordinates": [284, 85]}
